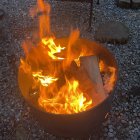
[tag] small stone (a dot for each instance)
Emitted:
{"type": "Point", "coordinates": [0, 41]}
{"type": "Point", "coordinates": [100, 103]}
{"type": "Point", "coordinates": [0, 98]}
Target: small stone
{"type": "Point", "coordinates": [110, 126]}
{"type": "Point", "coordinates": [135, 114]}
{"type": "Point", "coordinates": [110, 130]}
{"type": "Point", "coordinates": [112, 32]}
{"type": "Point", "coordinates": [21, 133]}
{"type": "Point", "coordinates": [123, 121]}
{"type": "Point", "coordinates": [110, 134]}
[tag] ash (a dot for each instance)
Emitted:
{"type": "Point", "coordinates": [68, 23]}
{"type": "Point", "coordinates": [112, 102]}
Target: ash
{"type": "Point", "coordinates": [16, 121]}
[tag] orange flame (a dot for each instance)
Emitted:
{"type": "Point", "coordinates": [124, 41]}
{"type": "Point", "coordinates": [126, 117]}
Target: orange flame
{"type": "Point", "coordinates": [69, 53]}
{"type": "Point", "coordinates": [68, 100]}
{"type": "Point", "coordinates": [53, 48]}
{"type": "Point", "coordinates": [45, 68]}
{"type": "Point", "coordinates": [110, 80]}
{"type": "Point", "coordinates": [44, 80]}
{"type": "Point", "coordinates": [44, 19]}
{"type": "Point", "coordinates": [109, 83]}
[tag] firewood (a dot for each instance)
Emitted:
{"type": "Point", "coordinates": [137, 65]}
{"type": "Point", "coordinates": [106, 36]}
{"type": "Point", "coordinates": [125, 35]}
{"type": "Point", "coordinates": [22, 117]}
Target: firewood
{"type": "Point", "coordinates": [91, 65]}
{"type": "Point", "coordinates": [85, 83]}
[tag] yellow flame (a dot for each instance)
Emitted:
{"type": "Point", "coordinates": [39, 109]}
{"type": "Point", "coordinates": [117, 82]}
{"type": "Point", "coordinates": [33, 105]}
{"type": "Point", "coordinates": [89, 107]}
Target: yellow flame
{"type": "Point", "coordinates": [77, 60]}
{"type": "Point", "coordinates": [53, 48]}
{"type": "Point", "coordinates": [67, 101]}
{"type": "Point", "coordinates": [44, 80]}
{"type": "Point", "coordinates": [111, 80]}
{"type": "Point", "coordinates": [68, 98]}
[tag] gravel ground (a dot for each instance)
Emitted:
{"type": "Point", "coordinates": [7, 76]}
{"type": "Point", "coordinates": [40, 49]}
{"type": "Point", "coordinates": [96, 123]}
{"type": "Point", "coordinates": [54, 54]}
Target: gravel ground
{"type": "Point", "coordinates": [16, 121]}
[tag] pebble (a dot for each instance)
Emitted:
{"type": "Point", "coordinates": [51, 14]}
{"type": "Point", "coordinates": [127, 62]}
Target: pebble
{"type": "Point", "coordinates": [110, 134]}
{"type": "Point", "coordinates": [111, 130]}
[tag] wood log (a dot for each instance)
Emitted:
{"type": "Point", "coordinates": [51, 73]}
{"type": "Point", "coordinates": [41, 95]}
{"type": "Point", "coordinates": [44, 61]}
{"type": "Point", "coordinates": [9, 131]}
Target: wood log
{"type": "Point", "coordinates": [85, 83]}
{"type": "Point", "coordinates": [89, 77]}
{"type": "Point", "coordinates": [91, 65]}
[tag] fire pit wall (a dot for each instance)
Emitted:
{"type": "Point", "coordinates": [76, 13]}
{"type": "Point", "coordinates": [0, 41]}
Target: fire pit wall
{"type": "Point", "coordinates": [82, 123]}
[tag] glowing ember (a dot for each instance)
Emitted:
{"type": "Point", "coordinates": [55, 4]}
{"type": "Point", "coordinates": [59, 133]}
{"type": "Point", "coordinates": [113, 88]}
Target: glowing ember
{"type": "Point", "coordinates": [44, 68]}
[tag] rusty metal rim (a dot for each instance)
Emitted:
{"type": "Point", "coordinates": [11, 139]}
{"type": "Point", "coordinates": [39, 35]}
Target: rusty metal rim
{"type": "Point", "coordinates": [111, 94]}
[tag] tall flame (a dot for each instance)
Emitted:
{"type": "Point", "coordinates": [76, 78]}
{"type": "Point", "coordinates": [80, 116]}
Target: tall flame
{"type": "Point", "coordinates": [44, 19]}
{"type": "Point", "coordinates": [47, 69]}
{"type": "Point", "coordinates": [68, 98]}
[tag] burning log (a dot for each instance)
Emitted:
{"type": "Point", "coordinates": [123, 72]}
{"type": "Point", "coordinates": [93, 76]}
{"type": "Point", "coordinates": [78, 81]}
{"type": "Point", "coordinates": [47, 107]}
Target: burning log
{"type": "Point", "coordinates": [91, 66]}
{"type": "Point", "coordinates": [89, 78]}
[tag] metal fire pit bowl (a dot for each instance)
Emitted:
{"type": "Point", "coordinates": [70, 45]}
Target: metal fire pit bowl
{"type": "Point", "coordinates": [80, 124]}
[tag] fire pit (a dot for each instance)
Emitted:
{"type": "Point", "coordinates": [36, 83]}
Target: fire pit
{"type": "Point", "coordinates": [68, 82]}
{"type": "Point", "coordinates": [74, 124]}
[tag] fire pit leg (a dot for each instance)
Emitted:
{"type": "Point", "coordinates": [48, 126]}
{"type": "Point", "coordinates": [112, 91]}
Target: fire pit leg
{"type": "Point", "coordinates": [91, 10]}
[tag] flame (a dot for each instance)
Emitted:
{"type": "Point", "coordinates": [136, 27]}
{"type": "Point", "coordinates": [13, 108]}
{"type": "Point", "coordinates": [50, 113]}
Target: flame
{"type": "Point", "coordinates": [109, 83]}
{"type": "Point", "coordinates": [68, 100]}
{"type": "Point", "coordinates": [47, 69]}
{"type": "Point", "coordinates": [77, 60]}
{"type": "Point", "coordinates": [44, 19]}
{"type": "Point", "coordinates": [44, 80]}
{"type": "Point", "coordinates": [69, 53]}
{"type": "Point", "coordinates": [25, 66]}
{"type": "Point", "coordinates": [110, 80]}
{"type": "Point", "coordinates": [53, 48]}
